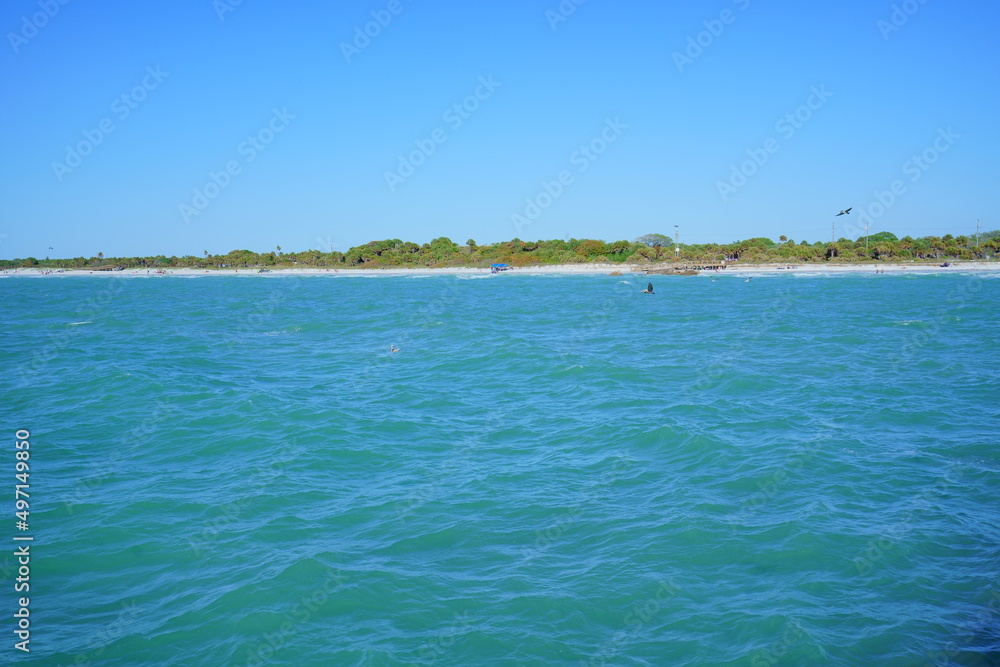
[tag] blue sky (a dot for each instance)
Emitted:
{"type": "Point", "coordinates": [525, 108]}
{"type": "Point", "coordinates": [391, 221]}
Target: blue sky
{"type": "Point", "coordinates": [600, 120]}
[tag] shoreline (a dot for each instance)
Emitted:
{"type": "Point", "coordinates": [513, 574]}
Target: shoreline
{"type": "Point", "coordinates": [554, 269]}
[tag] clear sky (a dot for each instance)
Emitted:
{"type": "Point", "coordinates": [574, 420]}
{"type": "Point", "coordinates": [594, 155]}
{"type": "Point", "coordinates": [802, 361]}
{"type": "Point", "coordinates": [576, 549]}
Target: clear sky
{"type": "Point", "coordinates": [117, 114]}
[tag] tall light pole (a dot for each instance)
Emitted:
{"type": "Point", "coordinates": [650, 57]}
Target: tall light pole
{"type": "Point", "coordinates": [977, 234]}
{"type": "Point", "coordinates": [677, 243]}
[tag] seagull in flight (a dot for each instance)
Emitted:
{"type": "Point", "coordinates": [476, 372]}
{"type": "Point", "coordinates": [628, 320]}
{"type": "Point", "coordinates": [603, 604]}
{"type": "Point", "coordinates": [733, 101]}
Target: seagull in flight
{"type": "Point", "coordinates": [844, 212]}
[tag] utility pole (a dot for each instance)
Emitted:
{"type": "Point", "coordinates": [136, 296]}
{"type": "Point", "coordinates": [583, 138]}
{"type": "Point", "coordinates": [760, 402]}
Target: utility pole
{"type": "Point", "coordinates": [866, 237]}
{"type": "Point", "coordinates": [977, 234]}
{"type": "Point", "coordinates": [677, 243]}
{"type": "Point", "coordinates": [833, 232]}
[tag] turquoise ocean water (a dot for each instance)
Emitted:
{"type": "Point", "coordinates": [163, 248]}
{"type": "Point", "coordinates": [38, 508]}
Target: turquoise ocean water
{"type": "Point", "coordinates": [554, 470]}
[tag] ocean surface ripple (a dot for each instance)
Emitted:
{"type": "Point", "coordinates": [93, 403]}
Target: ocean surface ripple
{"type": "Point", "coordinates": [551, 471]}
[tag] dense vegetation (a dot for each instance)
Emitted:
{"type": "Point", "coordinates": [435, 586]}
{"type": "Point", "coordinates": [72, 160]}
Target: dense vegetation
{"type": "Point", "coordinates": [651, 248]}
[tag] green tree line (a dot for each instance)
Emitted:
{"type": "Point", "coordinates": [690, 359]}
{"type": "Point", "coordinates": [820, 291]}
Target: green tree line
{"type": "Point", "coordinates": [648, 249]}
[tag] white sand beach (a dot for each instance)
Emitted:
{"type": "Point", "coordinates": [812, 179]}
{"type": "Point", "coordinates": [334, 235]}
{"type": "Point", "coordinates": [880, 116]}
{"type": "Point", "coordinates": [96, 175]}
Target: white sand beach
{"type": "Point", "coordinates": [571, 269]}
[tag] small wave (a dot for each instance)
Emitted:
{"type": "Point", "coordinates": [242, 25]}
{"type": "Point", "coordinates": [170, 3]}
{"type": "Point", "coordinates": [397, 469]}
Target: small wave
{"type": "Point", "coordinates": [74, 324]}
{"type": "Point", "coordinates": [624, 282]}
{"type": "Point", "coordinates": [487, 275]}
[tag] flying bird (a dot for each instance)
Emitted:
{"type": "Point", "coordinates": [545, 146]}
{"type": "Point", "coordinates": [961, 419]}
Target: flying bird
{"type": "Point", "coordinates": [845, 212]}
{"type": "Point", "coordinates": [649, 289]}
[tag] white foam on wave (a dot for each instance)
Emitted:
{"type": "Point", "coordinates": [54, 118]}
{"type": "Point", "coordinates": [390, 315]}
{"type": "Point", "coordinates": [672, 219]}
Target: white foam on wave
{"type": "Point", "coordinates": [74, 324]}
{"type": "Point", "coordinates": [283, 332]}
